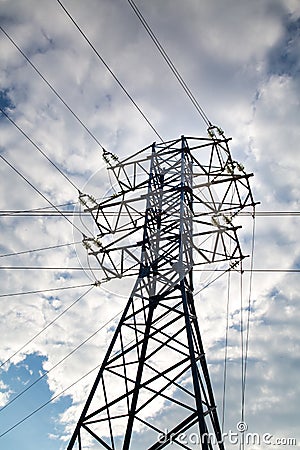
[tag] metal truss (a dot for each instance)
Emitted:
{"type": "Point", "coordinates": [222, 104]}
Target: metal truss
{"type": "Point", "coordinates": [175, 208]}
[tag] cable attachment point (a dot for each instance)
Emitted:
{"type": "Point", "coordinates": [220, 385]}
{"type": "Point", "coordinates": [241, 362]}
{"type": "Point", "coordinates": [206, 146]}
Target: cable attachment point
{"type": "Point", "coordinates": [88, 244]}
{"type": "Point", "coordinates": [85, 199]}
{"type": "Point", "coordinates": [214, 131]}
{"type": "Point", "coordinates": [231, 165]}
{"type": "Point", "coordinates": [109, 158]}
{"type": "Point", "coordinates": [215, 221]}
{"type": "Point", "coordinates": [227, 218]}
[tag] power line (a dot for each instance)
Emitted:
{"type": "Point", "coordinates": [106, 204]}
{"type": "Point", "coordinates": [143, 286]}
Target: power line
{"type": "Point", "coordinates": [36, 210]}
{"type": "Point", "coordinates": [270, 213]}
{"type": "Point", "coordinates": [242, 446]}
{"type": "Point", "coordinates": [109, 69]}
{"type": "Point", "coordinates": [52, 88]}
{"type": "Point", "coordinates": [42, 208]}
{"type": "Point", "coordinates": [169, 62]}
{"type": "Point", "coordinates": [248, 321]}
{"type": "Point", "coordinates": [38, 148]}
{"type": "Point", "coordinates": [99, 268]}
{"type": "Point", "coordinates": [47, 268]}
{"type": "Point", "coordinates": [47, 326]}
{"type": "Point", "coordinates": [226, 351]}
{"type": "Point", "coordinates": [37, 190]}
{"type": "Point", "coordinates": [50, 247]}
{"type": "Point", "coordinates": [44, 214]}
{"type": "Point", "coordinates": [41, 291]}
{"type": "Point", "coordinates": [252, 270]}
{"type": "Point", "coordinates": [36, 213]}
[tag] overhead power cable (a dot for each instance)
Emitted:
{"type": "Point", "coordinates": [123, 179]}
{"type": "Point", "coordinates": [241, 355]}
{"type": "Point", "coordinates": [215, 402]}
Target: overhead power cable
{"type": "Point", "coordinates": [169, 62]}
{"type": "Point", "coordinates": [50, 247]}
{"type": "Point", "coordinates": [52, 88]}
{"type": "Point", "coordinates": [270, 213]}
{"type": "Point", "coordinates": [248, 321]}
{"type": "Point", "coordinates": [226, 352]}
{"type": "Point", "coordinates": [242, 350]}
{"type": "Point", "coordinates": [37, 190]}
{"type": "Point", "coordinates": [109, 69]}
{"type": "Point", "coordinates": [65, 268]}
{"type": "Point", "coordinates": [42, 291]}
{"type": "Point", "coordinates": [47, 326]}
{"type": "Point", "coordinates": [43, 208]}
{"type": "Point", "coordinates": [252, 270]}
{"type": "Point", "coordinates": [45, 212]}
{"type": "Point", "coordinates": [99, 268]}
{"type": "Point", "coordinates": [38, 148]}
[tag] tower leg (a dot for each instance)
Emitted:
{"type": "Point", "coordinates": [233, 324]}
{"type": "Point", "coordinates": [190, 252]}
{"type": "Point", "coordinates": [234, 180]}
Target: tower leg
{"type": "Point", "coordinates": [154, 373]}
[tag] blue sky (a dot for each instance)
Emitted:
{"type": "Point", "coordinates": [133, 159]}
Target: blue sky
{"type": "Point", "coordinates": [241, 60]}
{"type": "Point", "coordinates": [18, 377]}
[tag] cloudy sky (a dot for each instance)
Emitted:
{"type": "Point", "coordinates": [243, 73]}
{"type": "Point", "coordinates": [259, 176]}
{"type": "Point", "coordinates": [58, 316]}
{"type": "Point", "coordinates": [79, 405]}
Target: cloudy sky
{"type": "Point", "coordinates": [241, 61]}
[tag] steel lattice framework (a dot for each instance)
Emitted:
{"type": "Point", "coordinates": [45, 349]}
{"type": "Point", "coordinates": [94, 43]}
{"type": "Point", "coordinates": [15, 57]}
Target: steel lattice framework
{"type": "Point", "coordinates": [174, 208]}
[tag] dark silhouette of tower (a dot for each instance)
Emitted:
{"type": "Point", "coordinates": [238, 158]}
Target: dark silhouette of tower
{"type": "Point", "coordinates": [174, 209]}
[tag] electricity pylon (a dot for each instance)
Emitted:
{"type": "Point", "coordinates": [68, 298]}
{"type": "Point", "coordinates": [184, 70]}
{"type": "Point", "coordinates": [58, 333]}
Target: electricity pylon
{"type": "Point", "coordinates": [175, 208]}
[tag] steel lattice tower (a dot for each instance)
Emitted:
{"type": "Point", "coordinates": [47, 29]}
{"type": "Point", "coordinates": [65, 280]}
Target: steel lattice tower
{"type": "Point", "coordinates": [174, 208]}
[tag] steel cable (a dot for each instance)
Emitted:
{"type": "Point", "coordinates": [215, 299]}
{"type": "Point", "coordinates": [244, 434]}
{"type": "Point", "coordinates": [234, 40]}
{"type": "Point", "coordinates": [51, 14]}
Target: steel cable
{"type": "Point", "coordinates": [109, 69]}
